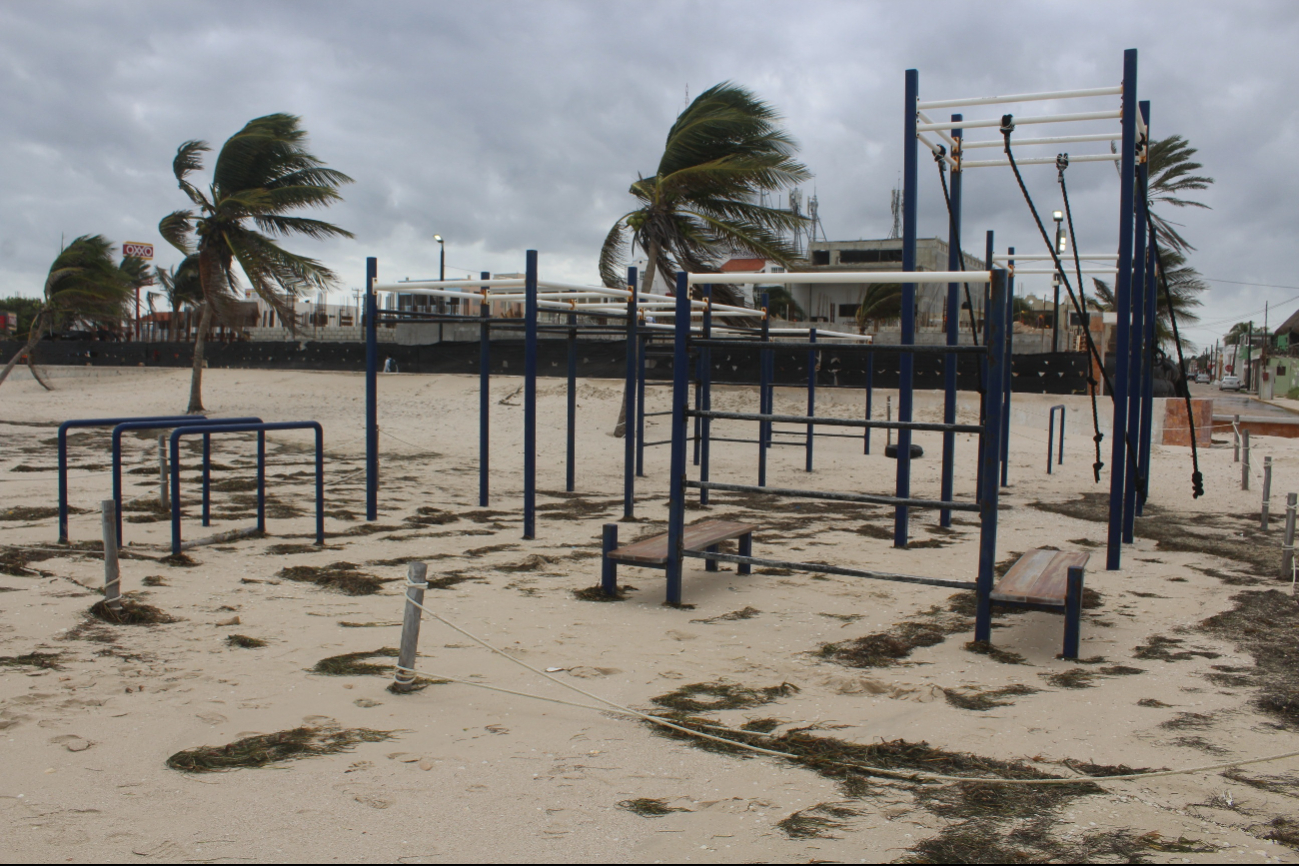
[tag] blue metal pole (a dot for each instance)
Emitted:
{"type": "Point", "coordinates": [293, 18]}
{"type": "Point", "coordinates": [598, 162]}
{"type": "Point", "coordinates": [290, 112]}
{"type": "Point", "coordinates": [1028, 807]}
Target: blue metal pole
{"type": "Point", "coordinates": [629, 411]}
{"type": "Point", "coordinates": [371, 392]}
{"type": "Point", "coordinates": [906, 363]}
{"type": "Point", "coordinates": [261, 480]}
{"type": "Point", "coordinates": [207, 479]}
{"type": "Point", "coordinates": [1123, 304]}
{"type": "Point", "coordinates": [570, 476]}
{"type": "Point", "coordinates": [530, 400]}
{"type": "Point", "coordinates": [642, 350]}
{"type": "Point", "coordinates": [763, 408]}
{"type": "Point", "coordinates": [1151, 339]}
{"type": "Point", "coordinates": [320, 485]}
{"type": "Point", "coordinates": [175, 496]}
{"type": "Point", "coordinates": [983, 374]}
{"type": "Point", "coordinates": [484, 395]}
{"type": "Point", "coordinates": [706, 383]}
{"type": "Point", "coordinates": [1007, 380]}
{"type": "Point", "coordinates": [1136, 359]}
{"type": "Point", "coordinates": [698, 373]}
{"type": "Point", "coordinates": [811, 396]}
{"type": "Point", "coordinates": [995, 316]}
{"type": "Point", "coordinates": [953, 329]}
{"type": "Point", "coordinates": [870, 390]}
{"type": "Point", "coordinates": [677, 469]}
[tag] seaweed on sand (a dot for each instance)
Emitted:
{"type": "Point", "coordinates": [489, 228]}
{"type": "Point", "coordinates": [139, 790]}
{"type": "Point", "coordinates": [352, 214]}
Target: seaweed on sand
{"type": "Point", "coordinates": [648, 807]}
{"type": "Point", "coordinates": [36, 659]}
{"type": "Point", "coordinates": [1266, 625]}
{"type": "Point", "coordinates": [131, 613]}
{"type": "Point", "coordinates": [265, 749]}
{"type": "Point", "coordinates": [987, 699]}
{"type": "Point", "coordinates": [354, 664]}
{"type": "Point", "coordinates": [244, 641]}
{"type": "Point", "coordinates": [816, 822]}
{"type": "Point", "coordinates": [597, 593]}
{"type": "Point", "coordinates": [704, 697]}
{"type": "Point", "coordinates": [344, 577]}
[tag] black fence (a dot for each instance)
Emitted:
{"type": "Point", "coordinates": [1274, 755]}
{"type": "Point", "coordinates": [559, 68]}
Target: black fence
{"type": "Point", "coordinates": [1051, 373]}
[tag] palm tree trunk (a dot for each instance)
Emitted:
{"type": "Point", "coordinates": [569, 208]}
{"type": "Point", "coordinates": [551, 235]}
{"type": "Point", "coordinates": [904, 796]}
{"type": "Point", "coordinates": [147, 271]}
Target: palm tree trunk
{"type": "Point", "coordinates": [647, 284]}
{"type": "Point", "coordinates": [196, 379]}
{"type": "Point", "coordinates": [33, 337]}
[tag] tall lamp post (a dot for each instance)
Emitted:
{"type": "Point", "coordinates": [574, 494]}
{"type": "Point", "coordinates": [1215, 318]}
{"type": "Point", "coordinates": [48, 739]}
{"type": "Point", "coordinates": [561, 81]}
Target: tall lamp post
{"type": "Point", "coordinates": [1058, 216]}
{"type": "Point", "coordinates": [442, 275]}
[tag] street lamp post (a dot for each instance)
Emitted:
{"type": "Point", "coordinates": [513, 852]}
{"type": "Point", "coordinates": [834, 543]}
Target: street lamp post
{"type": "Point", "coordinates": [442, 275]}
{"type": "Point", "coordinates": [1055, 282]}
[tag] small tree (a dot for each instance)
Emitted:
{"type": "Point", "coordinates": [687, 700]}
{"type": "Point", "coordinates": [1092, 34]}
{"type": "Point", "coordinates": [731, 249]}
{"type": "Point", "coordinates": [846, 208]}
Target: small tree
{"type": "Point", "coordinates": [83, 285]}
{"type": "Point", "coordinates": [262, 174]}
{"type": "Point", "coordinates": [880, 303]}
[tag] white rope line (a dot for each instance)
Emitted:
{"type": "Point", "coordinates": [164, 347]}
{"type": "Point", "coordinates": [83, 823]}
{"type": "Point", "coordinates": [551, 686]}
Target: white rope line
{"type": "Point", "coordinates": [899, 774]}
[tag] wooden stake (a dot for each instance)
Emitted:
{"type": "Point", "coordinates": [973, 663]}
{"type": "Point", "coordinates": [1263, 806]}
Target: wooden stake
{"type": "Point", "coordinates": [415, 586]}
{"type": "Point", "coordinates": [1267, 488]}
{"type": "Point", "coordinates": [112, 576]}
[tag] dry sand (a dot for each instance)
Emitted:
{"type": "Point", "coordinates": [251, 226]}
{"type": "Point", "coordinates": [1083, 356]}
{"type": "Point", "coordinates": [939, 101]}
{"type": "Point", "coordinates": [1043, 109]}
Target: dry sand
{"type": "Point", "coordinates": [474, 775]}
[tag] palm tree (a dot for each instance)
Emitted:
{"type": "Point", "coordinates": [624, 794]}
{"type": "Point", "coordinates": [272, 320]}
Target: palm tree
{"type": "Point", "coordinates": [780, 301]}
{"type": "Point", "coordinates": [1171, 174]}
{"type": "Point", "coordinates": [1239, 333]}
{"type": "Point", "coordinates": [1184, 287]}
{"type": "Point", "coordinates": [262, 174]}
{"type": "Point", "coordinates": [880, 303]}
{"type": "Point", "coordinates": [722, 152]}
{"type": "Point", "coordinates": [83, 285]}
{"type": "Point", "coordinates": [182, 287]}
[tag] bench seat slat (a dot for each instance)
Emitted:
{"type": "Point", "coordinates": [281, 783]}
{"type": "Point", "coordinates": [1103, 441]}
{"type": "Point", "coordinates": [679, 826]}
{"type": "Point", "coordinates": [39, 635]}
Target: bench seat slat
{"type": "Point", "coordinates": [1039, 577]}
{"type": "Point", "coordinates": [698, 536]}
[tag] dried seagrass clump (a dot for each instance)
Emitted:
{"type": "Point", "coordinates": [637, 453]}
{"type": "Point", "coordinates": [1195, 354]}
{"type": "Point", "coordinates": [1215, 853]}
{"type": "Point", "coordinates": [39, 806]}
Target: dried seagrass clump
{"type": "Point", "coordinates": [131, 613]}
{"type": "Point", "coordinates": [265, 749]}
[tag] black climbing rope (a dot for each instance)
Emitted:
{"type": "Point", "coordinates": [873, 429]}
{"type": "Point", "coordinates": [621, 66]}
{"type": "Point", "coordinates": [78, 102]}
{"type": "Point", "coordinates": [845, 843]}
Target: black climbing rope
{"type": "Point", "coordinates": [1197, 478]}
{"type": "Point", "coordinates": [1062, 163]}
{"type": "Point", "coordinates": [1007, 127]}
{"type": "Point", "coordinates": [951, 225]}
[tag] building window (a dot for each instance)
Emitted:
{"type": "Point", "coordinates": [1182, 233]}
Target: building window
{"type": "Point", "coordinates": [1280, 371]}
{"type": "Point", "coordinates": [848, 311]}
{"type": "Point", "coordinates": [862, 257]}
{"type": "Point", "coordinates": [820, 257]}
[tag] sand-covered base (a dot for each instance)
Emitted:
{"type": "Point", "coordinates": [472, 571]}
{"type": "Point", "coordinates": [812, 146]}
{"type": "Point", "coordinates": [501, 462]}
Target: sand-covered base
{"type": "Point", "coordinates": [90, 712]}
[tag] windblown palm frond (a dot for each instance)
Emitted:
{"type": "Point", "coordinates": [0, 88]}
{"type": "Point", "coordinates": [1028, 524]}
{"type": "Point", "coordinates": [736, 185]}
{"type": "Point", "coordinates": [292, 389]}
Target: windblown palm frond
{"type": "Point", "coordinates": [1171, 171]}
{"type": "Point", "coordinates": [880, 303]}
{"type": "Point", "coordinates": [725, 149]}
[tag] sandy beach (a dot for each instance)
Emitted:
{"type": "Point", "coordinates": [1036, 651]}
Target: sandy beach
{"type": "Point", "coordinates": [1175, 668]}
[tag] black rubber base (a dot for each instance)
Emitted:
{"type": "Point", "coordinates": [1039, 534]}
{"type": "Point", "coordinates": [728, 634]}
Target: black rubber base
{"type": "Point", "coordinates": [892, 451]}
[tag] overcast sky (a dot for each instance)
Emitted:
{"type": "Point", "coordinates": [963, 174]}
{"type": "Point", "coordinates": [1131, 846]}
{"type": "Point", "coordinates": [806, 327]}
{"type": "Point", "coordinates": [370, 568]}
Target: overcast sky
{"type": "Point", "coordinates": [505, 126]}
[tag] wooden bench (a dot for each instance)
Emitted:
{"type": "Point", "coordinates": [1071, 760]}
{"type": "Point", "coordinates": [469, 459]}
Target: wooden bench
{"type": "Point", "coordinates": [1049, 580]}
{"type": "Point", "coordinates": [653, 552]}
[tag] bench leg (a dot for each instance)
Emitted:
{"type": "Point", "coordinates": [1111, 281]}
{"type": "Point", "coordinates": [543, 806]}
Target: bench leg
{"type": "Point", "coordinates": [711, 564]}
{"type": "Point", "coordinates": [746, 549]}
{"type": "Point", "coordinates": [1073, 612]}
{"type": "Point", "coordinates": [609, 568]}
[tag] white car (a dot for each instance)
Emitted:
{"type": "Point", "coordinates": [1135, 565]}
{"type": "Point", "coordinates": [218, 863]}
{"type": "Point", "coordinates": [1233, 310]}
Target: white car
{"type": "Point", "coordinates": [1229, 383]}
{"type": "Point", "coordinates": [1202, 379]}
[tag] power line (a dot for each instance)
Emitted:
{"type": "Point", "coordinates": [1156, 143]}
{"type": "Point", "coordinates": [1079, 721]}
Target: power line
{"type": "Point", "coordinates": [1239, 283]}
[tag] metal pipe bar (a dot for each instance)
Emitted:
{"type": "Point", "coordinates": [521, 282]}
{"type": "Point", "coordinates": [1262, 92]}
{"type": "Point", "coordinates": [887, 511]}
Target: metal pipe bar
{"type": "Point", "coordinates": [1022, 97]}
{"type": "Point", "coordinates": [865, 498]}
{"type": "Point", "coordinates": [1046, 257]}
{"type": "Point", "coordinates": [1053, 139]}
{"type": "Point", "coordinates": [859, 277]}
{"type": "Point", "coordinates": [755, 441]}
{"type": "Point", "coordinates": [1041, 118]}
{"type": "Point", "coordinates": [818, 568]}
{"type": "Point", "coordinates": [1041, 160]}
{"type": "Point", "coordinates": [932, 426]}
{"type": "Point", "coordinates": [872, 348]}
{"type": "Point", "coordinates": [820, 433]}
{"type": "Point", "coordinates": [1020, 272]}
{"type": "Point", "coordinates": [405, 288]}
{"type": "Point", "coordinates": [936, 149]}
{"type": "Point", "coordinates": [941, 133]}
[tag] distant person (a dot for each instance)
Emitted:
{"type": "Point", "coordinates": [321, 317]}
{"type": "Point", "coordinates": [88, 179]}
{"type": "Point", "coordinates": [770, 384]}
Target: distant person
{"type": "Point", "coordinates": [389, 365]}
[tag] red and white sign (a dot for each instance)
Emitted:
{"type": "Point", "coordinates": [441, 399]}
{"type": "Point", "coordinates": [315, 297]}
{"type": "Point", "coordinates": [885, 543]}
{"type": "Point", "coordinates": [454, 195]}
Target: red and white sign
{"type": "Point", "coordinates": [138, 250]}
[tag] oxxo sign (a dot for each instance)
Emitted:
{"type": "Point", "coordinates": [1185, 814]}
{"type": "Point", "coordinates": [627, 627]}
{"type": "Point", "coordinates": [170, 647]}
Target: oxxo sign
{"type": "Point", "coordinates": [138, 250]}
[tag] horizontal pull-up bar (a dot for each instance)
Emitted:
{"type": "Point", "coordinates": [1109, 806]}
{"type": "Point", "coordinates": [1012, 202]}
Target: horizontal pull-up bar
{"type": "Point", "coordinates": [1040, 160]}
{"type": "Point", "coordinates": [1041, 118]}
{"type": "Point", "coordinates": [1047, 257]}
{"type": "Point", "coordinates": [863, 277]}
{"type": "Point", "coordinates": [865, 498]}
{"type": "Point", "coordinates": [909, 348]}
{"type": "Point", "coordinates": [424, 285]}
{"type": "Point", "coordinates": [1022, 97]}
{"type": "Point", "coordinates": [819, 568]}
{"type": "Point", "coordinates": [820, 421]}
{"type": "Point", "coordinates": [1056, 139]}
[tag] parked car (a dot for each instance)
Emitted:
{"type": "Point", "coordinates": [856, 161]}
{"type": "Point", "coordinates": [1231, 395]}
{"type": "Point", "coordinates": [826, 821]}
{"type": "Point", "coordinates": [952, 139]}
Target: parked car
{"type": "Point", "coordinates": [1229, 383]}
{"type": "Point", "coordinates": [1202, 379]}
